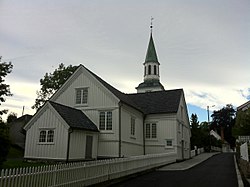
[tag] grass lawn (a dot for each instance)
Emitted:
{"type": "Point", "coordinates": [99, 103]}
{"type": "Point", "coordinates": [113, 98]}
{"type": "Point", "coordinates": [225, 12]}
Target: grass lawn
{"type": "Point", "coordinates": [12, 163]}
{"type": "Point", "coordinates": [15, 159]}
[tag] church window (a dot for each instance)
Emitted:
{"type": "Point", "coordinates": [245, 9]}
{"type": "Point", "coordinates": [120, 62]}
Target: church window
{"type": "Point", "coordinates": [132, 132]}
{"type": "Point", "coordinates": [149, 69]}
{"type": "Point", "coordinates": [169, 143]}
{"type": "Point", "coordinates": [145, 70]}
{"type": "Point", "coordinates": [155, 70]}
{"type": "Point", "coordinates": [50, 137]}
{"type": "Point", "coordinates": [151, 131]}
{"type": "Point", "coordinates": [105, 120]}
{"type": "Point", "coordinates": [81, 95]}
{"type": "Point", "coordinates": [42, 137]}
{"type": "Point", "coordinates": [46, 136]}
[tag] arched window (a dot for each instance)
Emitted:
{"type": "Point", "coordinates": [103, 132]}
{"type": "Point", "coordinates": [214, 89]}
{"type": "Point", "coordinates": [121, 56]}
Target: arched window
{"type": "Point", "coordinates": [145, 70]}
{"type": "Point", "coordinates": [155, 70]}
{"type": "Point", "coordinates": [149, 69]}
{"type": "Point", "coordinates": [46, 136]}
{"type": "Point", "coordinates": [50, 137]}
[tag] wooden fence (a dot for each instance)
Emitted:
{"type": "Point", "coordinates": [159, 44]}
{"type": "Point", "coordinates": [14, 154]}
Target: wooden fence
{"type": "Point", "coordinates": [82, 173]}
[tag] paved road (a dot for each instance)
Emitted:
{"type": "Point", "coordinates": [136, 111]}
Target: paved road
{"type": "Point", "coordinates": [218, 170]}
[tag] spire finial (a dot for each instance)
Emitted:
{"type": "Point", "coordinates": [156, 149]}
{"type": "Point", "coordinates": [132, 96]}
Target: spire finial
{"type": "Point", "coordinates": [151, 24]}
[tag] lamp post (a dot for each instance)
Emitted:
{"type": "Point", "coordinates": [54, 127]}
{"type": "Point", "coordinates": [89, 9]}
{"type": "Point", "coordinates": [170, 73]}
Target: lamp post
{"type": "Point", "coordinates": [208, 122]}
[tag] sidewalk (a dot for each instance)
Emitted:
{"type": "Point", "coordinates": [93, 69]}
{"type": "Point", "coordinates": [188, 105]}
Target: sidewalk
{"type": "Point", "coordinates": [188, 163]}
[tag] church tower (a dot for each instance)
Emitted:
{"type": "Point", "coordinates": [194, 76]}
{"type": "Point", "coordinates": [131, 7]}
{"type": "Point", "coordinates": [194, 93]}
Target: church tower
{"type": "Point", "coordinates": [151, 69]}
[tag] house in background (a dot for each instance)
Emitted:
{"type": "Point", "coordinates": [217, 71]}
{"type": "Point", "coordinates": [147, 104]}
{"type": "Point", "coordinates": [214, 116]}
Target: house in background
{"type": "Point", "coordinates": [16, 132]}
{"type": "Point", "coordinates": [244, 106]}
{"type": "Point", "coordinates": [88, 118]}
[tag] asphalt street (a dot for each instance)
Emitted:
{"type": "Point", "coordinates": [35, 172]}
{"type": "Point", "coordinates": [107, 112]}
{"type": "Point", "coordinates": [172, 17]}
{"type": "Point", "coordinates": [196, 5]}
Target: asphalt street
{"type": "Point", "coordinates": [218, 170]}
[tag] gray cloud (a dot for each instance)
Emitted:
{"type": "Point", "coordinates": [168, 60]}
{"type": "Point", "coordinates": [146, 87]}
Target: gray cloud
{"type": "Point", "coordinates": [203, 46]}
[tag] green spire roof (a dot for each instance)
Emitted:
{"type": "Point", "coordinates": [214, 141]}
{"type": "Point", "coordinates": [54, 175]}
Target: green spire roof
{"type": "Point", "coordinates": [151, 55]}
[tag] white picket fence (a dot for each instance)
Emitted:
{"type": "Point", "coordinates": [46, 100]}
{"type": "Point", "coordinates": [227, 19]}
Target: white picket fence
{"type": "Point", "coordinates": [244, 152]}
{"type": "Point", "coordinates": [82, 173]}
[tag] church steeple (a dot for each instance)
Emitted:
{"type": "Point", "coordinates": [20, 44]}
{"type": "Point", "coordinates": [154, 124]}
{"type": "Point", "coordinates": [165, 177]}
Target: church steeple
{"type": "Point", "coordinates": [151, 55]}
{"type": "Point", "coordinates": [151, 68]}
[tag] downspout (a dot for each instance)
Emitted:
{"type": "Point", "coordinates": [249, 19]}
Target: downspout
{"type": "Point", "coordinates": [120, 135]}
{"type": "Point", "coordinates": [143, 131]}
{"type": "Point", "coordinates": [67, 156]}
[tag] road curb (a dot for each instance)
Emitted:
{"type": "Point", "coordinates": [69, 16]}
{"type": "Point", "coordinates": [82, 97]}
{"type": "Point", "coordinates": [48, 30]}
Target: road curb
{"type": "Point", "coordinates": [240, 182]}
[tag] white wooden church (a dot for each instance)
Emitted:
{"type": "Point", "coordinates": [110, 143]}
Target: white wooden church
{"type": "Point", "coordinates": [87, 118]}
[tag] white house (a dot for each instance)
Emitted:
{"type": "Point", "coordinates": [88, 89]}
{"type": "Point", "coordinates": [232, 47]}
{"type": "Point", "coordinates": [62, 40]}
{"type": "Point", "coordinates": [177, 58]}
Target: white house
{"type": "Point", "coordinates": [88, 118]}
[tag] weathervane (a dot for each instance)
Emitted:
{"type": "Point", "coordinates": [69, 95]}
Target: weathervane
{"type": "Point", "coordinates": [151, 24]}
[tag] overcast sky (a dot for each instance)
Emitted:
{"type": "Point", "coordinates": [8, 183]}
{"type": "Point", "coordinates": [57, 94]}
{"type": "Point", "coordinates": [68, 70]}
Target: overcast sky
{"type": "Point", "coordinates": [203, 46]}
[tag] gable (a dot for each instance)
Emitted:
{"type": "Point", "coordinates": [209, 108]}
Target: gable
{"type": "Point", "coordinates": [98, 93]}
{"type": "Point", "coordinates": [46, 114]}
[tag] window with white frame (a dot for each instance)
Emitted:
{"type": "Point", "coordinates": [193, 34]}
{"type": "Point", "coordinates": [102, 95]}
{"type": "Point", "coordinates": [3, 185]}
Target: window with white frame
{"type": "Point", "coordinates": [81, 96]}
{"type": "Point", "coordinates": [105, 120]}
{"type": "Point", "coordinates": [42, 136]}
{"type": "Point", "coordinates": [46, 136]}
{"type": "Point", "coordinates": [132, 130]}
{"type": "Point", "coordinates": [151, 130]}
{"type": "Point", "coordinates": [50, 136]}
{"type": "Point", "coordinates": [169, 143]}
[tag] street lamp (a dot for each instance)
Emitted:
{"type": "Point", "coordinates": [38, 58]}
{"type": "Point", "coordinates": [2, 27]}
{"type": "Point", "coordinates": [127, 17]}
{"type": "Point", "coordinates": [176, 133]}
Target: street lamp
{"type": "Point", "coordinates": [208, 122]}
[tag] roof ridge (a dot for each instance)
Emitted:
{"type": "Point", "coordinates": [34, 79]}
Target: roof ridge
{"type": "Point", "coordinates": [53, 102]}
{"type": "Point", "coordinates": [158, 91]}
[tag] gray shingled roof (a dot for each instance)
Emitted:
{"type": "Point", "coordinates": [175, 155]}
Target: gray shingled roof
{"type": "Point", "coordinates": [150, 84]}
{"type": "Point", "coordinates": [150, 102]}
{"type": "Point", "coordinates": [157, 102]}
{"type": "Point", "coordinates": [74, 118]}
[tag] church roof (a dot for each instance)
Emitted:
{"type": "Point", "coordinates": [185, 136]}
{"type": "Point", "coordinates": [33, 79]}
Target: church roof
{"type": "Point", "coordinates": [158, 102]}
{"type": "Point", "coordinates": [151, 55]}
{"type": "Point", "coordinates": [166, 101]}
{"type": "Point", "coordinates": [73, 117]}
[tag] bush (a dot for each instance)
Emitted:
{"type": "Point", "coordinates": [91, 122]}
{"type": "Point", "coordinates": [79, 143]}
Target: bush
{"type": "Point", "coordinates": [4, 142]}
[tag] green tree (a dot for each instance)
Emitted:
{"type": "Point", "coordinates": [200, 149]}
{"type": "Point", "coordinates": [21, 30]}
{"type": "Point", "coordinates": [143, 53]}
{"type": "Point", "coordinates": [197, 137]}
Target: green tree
{"type": "Point", "coordinates": [223, 122]}
{"type": "Point", "coordinates": [242, 124]}
{"type": "Point", "coordinates": [195, 138]}
{"type": "Point", "coordinates": [200, 134]}
{"type": "Point", "coordinates": [4, 142]}
{"type": "Point", "coordinates": [5, 68]}
{"type": "Point", "coordinates": [11, 117]}
{"type": "Point", "coordinates": [52, 82]}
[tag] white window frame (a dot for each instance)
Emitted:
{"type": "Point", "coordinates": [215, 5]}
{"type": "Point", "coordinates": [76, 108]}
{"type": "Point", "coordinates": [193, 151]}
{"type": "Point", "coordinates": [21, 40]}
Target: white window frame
{"type": "Point", "coordinates": [168, 144]}
{"type": "Point", "coordinates": [84, 95]}
{"type": "Point", "coordinates": [47, 139]}
{"type": "Point", "coordinates": [108, 118]}
{"type": "Point", "coordinates": [151, 130]}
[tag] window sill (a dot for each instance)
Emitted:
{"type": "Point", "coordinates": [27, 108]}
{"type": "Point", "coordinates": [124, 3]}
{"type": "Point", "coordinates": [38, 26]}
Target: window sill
{"type": "Point", "coordinates": [132, 137]}
{"type": "Point", "coordinates": [169, 147]}
{"type": "Point", "coordinates": [45, 143]}
{"type": "Point", "coordinates": [81, 105]}
{"type": "Point", "coordinates": [152, 139]}
{"type": "Point", "coordinates": [106, 132]}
